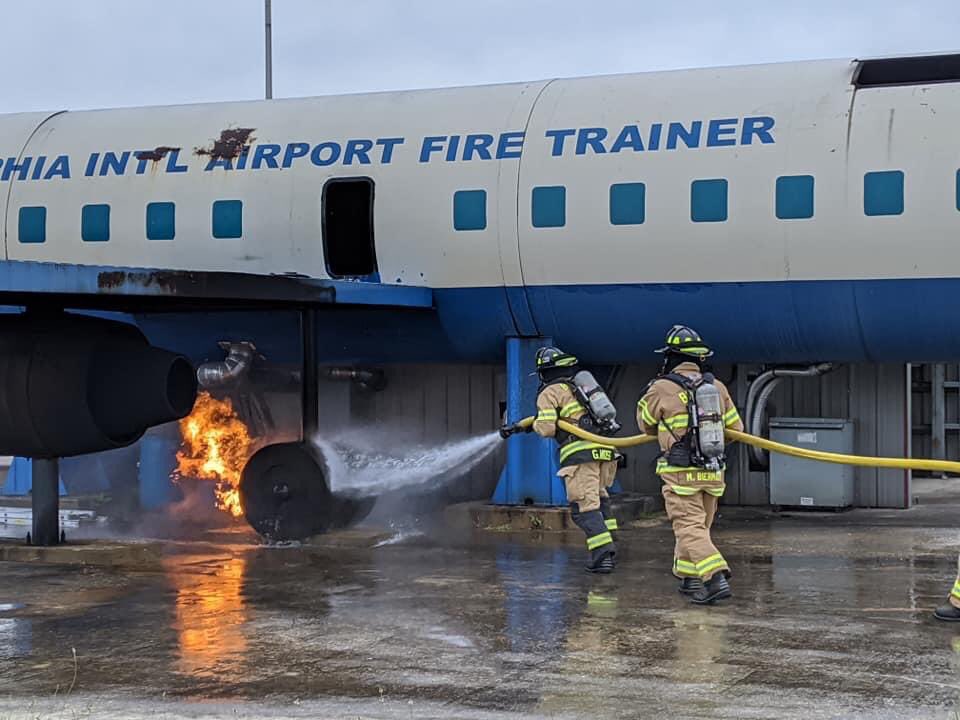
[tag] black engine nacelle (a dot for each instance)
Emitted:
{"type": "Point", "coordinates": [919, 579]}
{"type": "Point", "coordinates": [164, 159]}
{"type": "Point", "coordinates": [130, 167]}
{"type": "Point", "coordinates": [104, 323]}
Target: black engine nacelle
{"type": "Point", "coordinates": [73, 384]}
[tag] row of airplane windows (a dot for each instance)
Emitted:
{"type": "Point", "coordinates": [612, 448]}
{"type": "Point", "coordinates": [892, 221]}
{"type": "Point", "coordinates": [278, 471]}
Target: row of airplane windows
{"type": "Point", "coordinates": [882, 195]}
{"type": "Point", "coordinates": [794, 200]}
{"type": "Point", "coordinates": [227, 221]}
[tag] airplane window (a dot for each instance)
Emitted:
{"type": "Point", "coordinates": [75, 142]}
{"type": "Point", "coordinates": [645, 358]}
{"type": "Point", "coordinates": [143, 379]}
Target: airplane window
{"type": "Point", "coordinates": [33, 225]}
{"type": "Point", "coordinates": [348, 244]}
{"type": "Point", "coordinates": [95, 223]}
{"type": "Point", "coordinates": [227, 219]}
{"type": "Point", "coordinates": [708, 200]}
{"type": "Point", "coordinates": [549, 206]}
{"type": "Point", "coordinates": [794, 197]}
{"type": "Point", "coordinates": [470, 210]}
{"type": "Point", "coordinates": [160, 221]}
{"type": "Point", "coordinates": [883, 193]}
{"type": "Point", "coordinates": [627, 203]}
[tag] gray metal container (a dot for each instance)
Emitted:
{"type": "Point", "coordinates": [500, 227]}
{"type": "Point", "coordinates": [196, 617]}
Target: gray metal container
{"type": "Point", "coordinates": [809, 483]}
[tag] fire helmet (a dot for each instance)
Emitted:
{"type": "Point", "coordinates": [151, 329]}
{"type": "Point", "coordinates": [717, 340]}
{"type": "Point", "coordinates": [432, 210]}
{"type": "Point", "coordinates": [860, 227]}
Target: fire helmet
{"type": "Point", "coordinates": [551, 358]}
{"type": "Point", "coordinates": [684, 340]}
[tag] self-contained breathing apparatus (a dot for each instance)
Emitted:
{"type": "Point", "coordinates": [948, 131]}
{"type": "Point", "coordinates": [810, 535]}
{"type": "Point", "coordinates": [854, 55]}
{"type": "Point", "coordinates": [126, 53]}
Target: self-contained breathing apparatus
{"type": "Point", "coordinates": [703, 444]}
{"type": "Point", "coordinates": [601, 415]}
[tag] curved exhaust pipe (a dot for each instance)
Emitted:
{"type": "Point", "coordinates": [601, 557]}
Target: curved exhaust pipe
{"type": "Point", "coordinates": [759, 394]}
{"type": "Point", "coordinates": [231, 368]}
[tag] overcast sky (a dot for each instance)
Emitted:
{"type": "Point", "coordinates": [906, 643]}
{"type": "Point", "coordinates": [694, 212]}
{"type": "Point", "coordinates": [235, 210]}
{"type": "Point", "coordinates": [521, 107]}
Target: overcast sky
{"type": "Point", "coordinates": [107, 53]}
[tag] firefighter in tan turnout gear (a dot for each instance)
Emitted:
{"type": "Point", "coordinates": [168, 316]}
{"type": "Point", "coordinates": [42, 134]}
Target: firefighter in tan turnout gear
{"type": "Point", "coordinates": [587, 468]}
{"type": "Point", "coordinates": [687, 410]}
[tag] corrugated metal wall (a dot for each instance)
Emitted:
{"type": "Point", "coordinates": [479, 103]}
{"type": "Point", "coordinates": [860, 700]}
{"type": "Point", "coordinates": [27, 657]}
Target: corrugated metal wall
{"type": "Point", "coordinates": [875, 397]}
{"type": "Point", "coordinates": [437, 403]}
{"type": "Point", "coordinates": [923, 410]}
{"type": "Point", "coordinates": [433, 404]}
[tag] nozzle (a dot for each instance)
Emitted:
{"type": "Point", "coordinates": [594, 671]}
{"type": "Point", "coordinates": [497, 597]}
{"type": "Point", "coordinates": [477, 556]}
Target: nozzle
{"type": "Point", "coordinates": [508, 430]}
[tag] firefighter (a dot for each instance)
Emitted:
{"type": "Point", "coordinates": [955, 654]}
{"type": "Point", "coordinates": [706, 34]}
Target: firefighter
{"type": "Point", "coordinates": [587, 468]}
{"type": "Point", "coordinates": [951, 611]}
{"type": "Point", "coordinates": [691, 471]}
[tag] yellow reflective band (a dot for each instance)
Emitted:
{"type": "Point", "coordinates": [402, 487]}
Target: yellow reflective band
{"type": "Point", "coordinates": [685, 567]}
{"type": "Point", "coordinates": [566, 362]}
{"type": "Point", "coordinates": [579, 445]}
{"type": "Point", "coordinates": [675, 422]}
{"type": "Point", "coordinates": [715, 491]}
{"type": "Point", "coordinates": [663, 467]}
{"type": "Point", "coordinates": [684, 490]}
{"type": "Point", "coordinates": [694, 474]}
{"type": "Point", "coordinates": [675, 340]}
{"type": "Point", "coordinates": [711, 563]}
{"type": "Point", "coordinates": [576, 446]}
{"type": "Point", "coordinates": [956, 589]}
{"type": "Point", "coordinates": [547, 415]}
{"type": "Point", "coordinates": [570, 408]}
{"type": "Point", "coordinates": [612, 524]}
{"type": "Point", "coordinates": [604, 538]}
{"type": "Point", "coordinates": [645, 413]}
{"type": "Point", "coordinates": [731, 417]}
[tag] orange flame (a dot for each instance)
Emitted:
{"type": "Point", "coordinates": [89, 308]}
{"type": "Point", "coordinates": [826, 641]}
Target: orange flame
{"type": "Point", "coordinates": [216, 446]}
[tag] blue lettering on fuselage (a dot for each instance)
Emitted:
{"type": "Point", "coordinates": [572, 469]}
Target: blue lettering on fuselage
{"type": "Point", "coordinates": [677, 135]}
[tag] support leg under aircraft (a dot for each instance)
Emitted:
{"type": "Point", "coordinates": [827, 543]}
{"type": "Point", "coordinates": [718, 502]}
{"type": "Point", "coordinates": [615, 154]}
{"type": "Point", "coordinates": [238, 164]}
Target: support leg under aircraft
{"type": "Point", "coordinates": [529, 476]}
{"type": "Point", "coordinates": [45, 499]}
{"type": "Point", "coordinates": [310, 408]}
{"type": "Point", "coordinates": [284, 488]}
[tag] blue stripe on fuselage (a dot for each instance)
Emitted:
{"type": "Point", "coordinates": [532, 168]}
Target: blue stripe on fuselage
{"type": "Point", "coordinates": [783, 322]}
{"type": "Point", "coordinates": [792, 321]}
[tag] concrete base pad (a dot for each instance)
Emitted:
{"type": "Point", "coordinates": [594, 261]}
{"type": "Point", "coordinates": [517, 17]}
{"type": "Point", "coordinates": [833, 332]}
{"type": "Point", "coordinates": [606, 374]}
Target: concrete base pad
{"type": "Point", "coordinates": [84, 552]}
{"type": "Point", "coordinates": [508, 518]}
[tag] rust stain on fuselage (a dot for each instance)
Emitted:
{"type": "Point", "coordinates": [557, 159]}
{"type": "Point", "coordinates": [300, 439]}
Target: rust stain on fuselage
{"type": "Point", "coordinates": [155, 155]}
{"type": "Point", "coordinates": [120, 279]}
{"type": "Point", "coordinates": [231, 143]}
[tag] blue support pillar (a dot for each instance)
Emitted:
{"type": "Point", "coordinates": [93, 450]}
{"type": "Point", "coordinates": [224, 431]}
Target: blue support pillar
{"type": "Point", "coordinates": [20, 478]}
{"type": "Point", "coordinates": [158, 459]}
{"type": "Point", "coordinates": [530, 474]}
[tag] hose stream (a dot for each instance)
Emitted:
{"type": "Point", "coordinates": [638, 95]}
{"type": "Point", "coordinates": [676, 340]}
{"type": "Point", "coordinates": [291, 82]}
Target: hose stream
{"type": "Point", "coordinates": [837, 458]}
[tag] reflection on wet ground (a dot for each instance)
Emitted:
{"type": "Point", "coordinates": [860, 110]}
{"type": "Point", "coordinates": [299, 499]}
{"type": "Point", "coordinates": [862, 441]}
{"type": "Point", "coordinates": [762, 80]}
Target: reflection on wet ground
{"type": "Point", "coordinates": [830, 619]}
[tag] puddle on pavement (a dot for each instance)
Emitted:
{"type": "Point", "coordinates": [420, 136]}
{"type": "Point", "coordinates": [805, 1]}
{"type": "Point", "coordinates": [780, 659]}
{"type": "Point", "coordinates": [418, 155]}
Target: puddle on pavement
{"type": "Point", "coordinates": [500, 626]}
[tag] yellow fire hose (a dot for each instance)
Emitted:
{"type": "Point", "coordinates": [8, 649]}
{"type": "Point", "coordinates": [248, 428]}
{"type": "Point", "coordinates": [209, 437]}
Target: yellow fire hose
{"type": "Point", "coordinates": [880, 462]}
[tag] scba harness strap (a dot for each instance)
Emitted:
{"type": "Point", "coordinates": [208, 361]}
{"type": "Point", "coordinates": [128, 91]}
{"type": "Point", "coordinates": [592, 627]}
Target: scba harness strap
{"type": "Point", "coordinates": [685, 453]}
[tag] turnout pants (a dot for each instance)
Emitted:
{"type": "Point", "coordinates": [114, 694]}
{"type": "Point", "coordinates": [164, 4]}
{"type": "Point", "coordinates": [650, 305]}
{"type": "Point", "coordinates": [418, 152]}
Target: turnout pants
{"type": "Point", "coordinates": [608, 472]}
{"type": "Point", "coordinates": [692, 515]}
{"type": "Point", "coordinates": [586, 486]}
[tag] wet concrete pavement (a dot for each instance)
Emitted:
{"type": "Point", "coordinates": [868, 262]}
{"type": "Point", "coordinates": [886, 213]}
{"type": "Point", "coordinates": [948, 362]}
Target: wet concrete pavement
{"type": "Point", "coordinates": [830, 619]}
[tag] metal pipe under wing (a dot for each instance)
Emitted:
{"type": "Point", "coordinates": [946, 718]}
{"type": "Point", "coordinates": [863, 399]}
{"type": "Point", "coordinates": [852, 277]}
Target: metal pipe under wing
{"type": "Point", "coordinates": [237, 363]}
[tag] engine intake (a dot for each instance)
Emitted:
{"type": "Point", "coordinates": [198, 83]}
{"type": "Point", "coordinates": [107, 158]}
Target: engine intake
{"type": "Point", "coordinates": [73, 384]}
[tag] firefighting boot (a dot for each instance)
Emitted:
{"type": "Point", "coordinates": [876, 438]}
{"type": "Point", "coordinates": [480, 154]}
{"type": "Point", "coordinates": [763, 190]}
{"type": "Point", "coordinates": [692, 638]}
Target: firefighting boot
{"type": "Point", "coordinates": [947, 613]}
{"type": "Point", "coordinates": [716, 588]}
{"type": "Point", "coordinates": [690, 585]}
{"type": "Point", "coordinates": [599, 541]}
{"type": "Point", "coordinates": [603, 566]}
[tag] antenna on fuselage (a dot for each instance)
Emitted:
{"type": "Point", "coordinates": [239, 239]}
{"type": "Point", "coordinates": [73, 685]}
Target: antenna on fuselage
{"type": "Point", "coordinates": [268, 49]}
